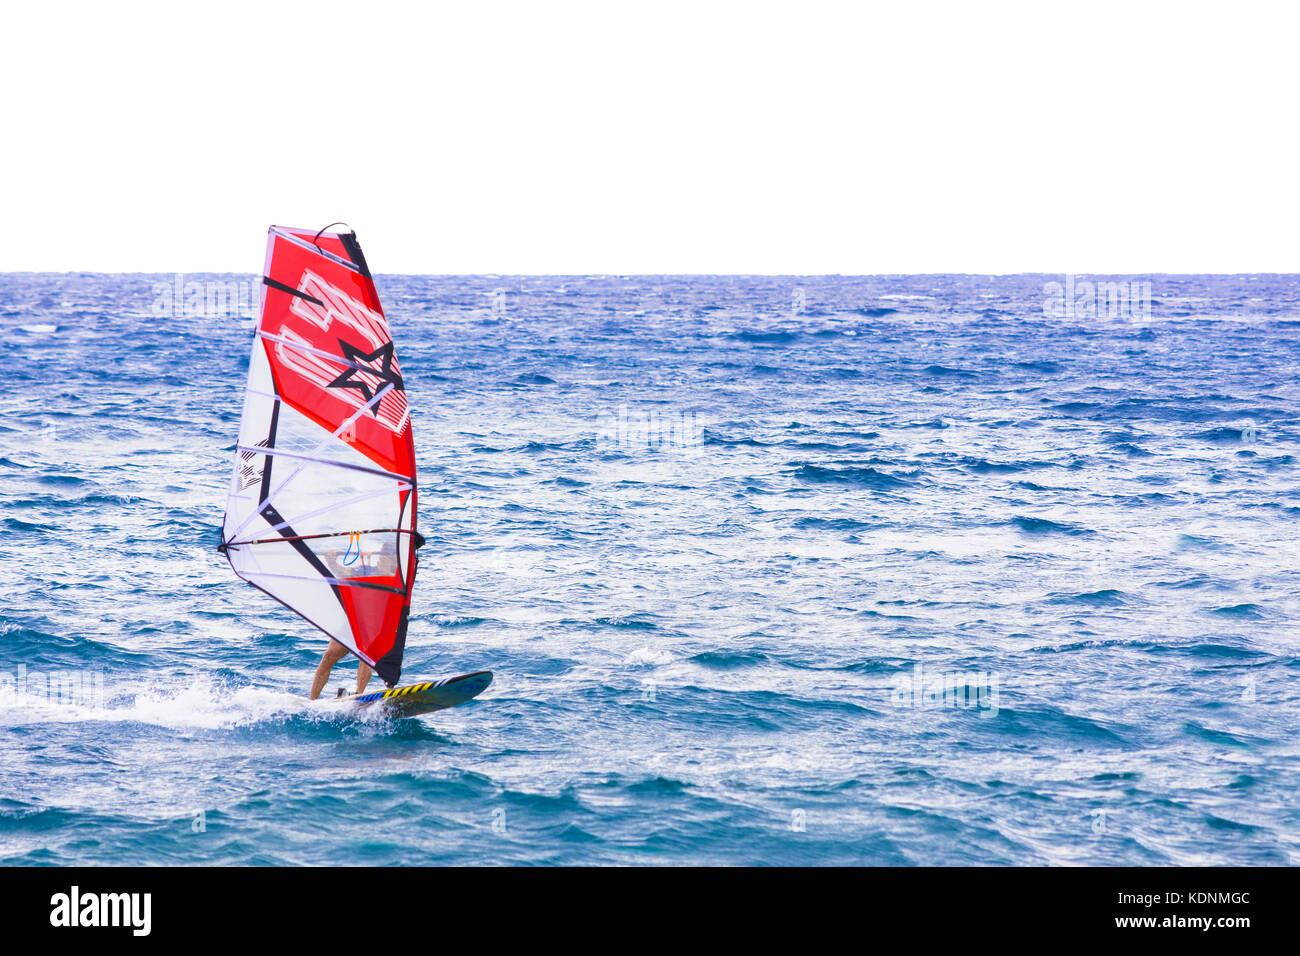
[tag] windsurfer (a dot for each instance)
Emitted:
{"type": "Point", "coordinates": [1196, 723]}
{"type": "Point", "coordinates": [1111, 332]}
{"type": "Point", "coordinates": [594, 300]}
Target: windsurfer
{"type": "Point", "coordinates": [321, 513]}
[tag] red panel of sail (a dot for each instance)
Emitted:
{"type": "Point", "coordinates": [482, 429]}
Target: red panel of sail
{"type": "Point", "coordinates": [331, 351]}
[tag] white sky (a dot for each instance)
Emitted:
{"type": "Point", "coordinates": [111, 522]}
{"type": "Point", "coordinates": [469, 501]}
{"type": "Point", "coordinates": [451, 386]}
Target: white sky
{"type": "Point", "coordinates": [565, 137]}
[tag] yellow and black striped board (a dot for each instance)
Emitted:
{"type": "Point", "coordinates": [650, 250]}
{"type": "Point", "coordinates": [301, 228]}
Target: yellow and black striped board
{"type": "Point", "coordinates": [424, 698]}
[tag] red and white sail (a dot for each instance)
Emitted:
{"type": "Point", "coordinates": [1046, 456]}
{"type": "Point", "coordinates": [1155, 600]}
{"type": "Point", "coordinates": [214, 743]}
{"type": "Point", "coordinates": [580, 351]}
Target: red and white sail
{"type": "Point", "coordinates": [322, 507]}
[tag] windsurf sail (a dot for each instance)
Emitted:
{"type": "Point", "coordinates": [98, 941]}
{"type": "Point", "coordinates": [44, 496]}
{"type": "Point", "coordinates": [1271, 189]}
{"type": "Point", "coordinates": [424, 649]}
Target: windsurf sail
{"type": "Point", "coordinates": [321, 513]}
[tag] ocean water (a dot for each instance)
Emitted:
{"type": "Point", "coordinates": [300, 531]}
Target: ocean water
{"type": "Point", "coordinates": [881, 570]}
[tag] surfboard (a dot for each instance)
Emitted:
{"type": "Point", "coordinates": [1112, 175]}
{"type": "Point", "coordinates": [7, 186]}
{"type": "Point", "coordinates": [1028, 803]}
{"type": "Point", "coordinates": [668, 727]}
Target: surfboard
{"type": "Point", "coordinates": [415, 699]}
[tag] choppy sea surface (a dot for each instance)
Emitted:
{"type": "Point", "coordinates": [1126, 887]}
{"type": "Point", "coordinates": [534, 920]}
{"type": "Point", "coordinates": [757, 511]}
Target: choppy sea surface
{"type": "Point", "coordinates": [882, 570]}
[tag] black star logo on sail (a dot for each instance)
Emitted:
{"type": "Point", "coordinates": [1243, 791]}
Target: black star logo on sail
{"type": "Point", "coordinates": [385, 372]}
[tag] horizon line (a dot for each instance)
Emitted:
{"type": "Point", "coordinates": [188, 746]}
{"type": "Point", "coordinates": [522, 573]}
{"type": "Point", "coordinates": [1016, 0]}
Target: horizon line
{"type": "Point", "coordinates": [595, 275]}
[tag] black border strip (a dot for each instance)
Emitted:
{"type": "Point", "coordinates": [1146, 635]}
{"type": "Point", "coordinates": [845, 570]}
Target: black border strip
{"type": "Point", "coordinates": [353, 249]}
{"type": "Point", "coordinates": [274, 284]}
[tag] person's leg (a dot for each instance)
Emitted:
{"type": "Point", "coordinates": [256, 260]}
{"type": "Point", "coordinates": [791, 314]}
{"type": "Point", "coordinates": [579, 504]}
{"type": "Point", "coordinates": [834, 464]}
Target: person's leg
{"type": "Point", "coordinates": [333, 654]}
{"type": "Point", "coordinates": [363, 676]}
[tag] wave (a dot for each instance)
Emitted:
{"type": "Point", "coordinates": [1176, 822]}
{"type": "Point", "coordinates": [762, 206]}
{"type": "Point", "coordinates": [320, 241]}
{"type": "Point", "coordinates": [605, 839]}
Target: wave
{"type": "Point", "coordinates": [859, 477]}
{"type": "Point", "coordinates": [532, 378]}
{"type": "Point", "coordinates": [765, 337]}
{"type": "Point", "coordinates": [1241, 611]}
{"type": "Point", "coordinates": [835, 524]}
{"type": "Point", "coordinates": [730, 660]}
{"type": "Point", "coordinates": [1223, 435]}
{"type": "Point", "coordinates": [1050, 722]}
{"type": "Point", "coordinates": [944, 371]}
{"type": "Point", "coordinates": [1043, 526]}
{"type": "Point", "coordinates": [1106, 597]}
{"type": "Point", "coordinates": [54, 648]}
{"type": "Point", "coordinates": [983, 466]}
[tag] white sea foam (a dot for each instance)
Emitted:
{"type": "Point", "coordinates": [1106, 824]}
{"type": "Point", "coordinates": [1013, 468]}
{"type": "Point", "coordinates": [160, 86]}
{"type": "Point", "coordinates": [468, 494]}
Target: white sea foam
{"type": "Point", "coordinates": [648, 657]}
{"type": "Point", "coordinates": [201, 704]}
